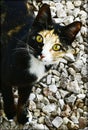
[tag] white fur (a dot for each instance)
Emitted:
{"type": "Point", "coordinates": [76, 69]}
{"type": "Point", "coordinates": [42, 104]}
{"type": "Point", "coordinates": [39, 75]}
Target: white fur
{"type": "Point", "coordinates": [36, 67]}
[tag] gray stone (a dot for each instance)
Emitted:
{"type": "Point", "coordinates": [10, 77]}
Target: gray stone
{"type": "Point", "coordinates": [53, 88]}
{"type": "Point", "coordinates": [49, 108]}
{"type": "Point", "coordinates": [77, 3]}
{"type": "Point", "coordinates": [57, 122]}
{"type": "Point", "coordinates": [71, 99]}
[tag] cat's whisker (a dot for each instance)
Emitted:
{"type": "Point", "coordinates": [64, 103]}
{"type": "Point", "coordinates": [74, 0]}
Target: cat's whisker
{"type": "Point", "coordinates": [19, 40]}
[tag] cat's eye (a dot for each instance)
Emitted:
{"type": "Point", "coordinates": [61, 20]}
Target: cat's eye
{"type": "Point", "coordinates": [56, 47]}
{"type": "Point", "coordinates": [39, 38]}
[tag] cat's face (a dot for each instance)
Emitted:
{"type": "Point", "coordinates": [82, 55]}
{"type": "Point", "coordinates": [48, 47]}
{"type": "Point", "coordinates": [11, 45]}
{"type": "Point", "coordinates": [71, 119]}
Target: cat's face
{"type": "Point", "coordinates": [53, 49]}
{"type": "Point", "coordinates": [50, 40]}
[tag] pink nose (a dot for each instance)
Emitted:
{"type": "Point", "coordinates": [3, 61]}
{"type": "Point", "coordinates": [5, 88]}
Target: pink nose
{"type": "Point", "coordinates": [42, 56]}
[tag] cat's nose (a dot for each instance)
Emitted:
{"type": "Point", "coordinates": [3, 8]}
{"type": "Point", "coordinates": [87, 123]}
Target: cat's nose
{"type": "Point", "coordinates": [42, 56]}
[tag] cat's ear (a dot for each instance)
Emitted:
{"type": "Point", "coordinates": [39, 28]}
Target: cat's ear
{"type": "Point", "coordinates": [44, 16]}
{"type": "Point", "coordinates": [69, 32]}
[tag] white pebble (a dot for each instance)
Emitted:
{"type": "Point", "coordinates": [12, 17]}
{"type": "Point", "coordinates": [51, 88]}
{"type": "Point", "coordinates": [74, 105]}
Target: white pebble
{"type": "Point", "coordinates": [83, 15]}
{"type": "Point", "coordinates": [49, 79]}
{"type": "Point", "coordinates": [76, 12]}
{"type": "Point", "coordinates": [81, 96]}
{"type": "Point", "coordinates": [77, 65]}
{"type": "Point", "coordinates": [32, 96]}
{"type": "Point", "coordinates": [84, 70]}
{"type": "Point", "coordinates": [68, 19]}
{"type": "Point", "coordinates": [69, 57]}
{"type": "Point", "coordinates": [63, 93]}
{"type": "Point", "coordinates": [65, 120]}
{"type": "Point", "coordinates": [57, 122]}
{"type": "Point", "coordinates": [58, 95]}
{"type": "Point", "coordinates": [84, 30]}
{"type": "Point", "coordinates": [73, 86]}
{"type": "Point", "coordinates": [74, 119]}
{"type": "Point", "coordinates": [77, 3]}
{"type": "Point", "coordinates": [40, 127]}
{"type": "Point", "coordinates": [39, 97]}
{"type": "Point", "coordinates": [32, 105]}
{"type": "Point", "coordinates": [49, 108]}
{"type": "Point", "coordinates": [71, 99]}
{"type": "Point", "coordinates": [71, 71]}
{"type": "Point", "coordinates": [53, 88]}
{"type": "Point", "coordinates": [69, 5]}
{"type": "Point", "coordinates": [61, 102]}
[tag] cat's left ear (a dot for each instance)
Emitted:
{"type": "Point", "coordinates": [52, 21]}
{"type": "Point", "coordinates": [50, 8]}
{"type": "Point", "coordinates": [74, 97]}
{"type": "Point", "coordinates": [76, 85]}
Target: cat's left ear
{"type": "Point", "coordinates": [44, 16]}
{"type": "Point", "coordinates": [69, 32]}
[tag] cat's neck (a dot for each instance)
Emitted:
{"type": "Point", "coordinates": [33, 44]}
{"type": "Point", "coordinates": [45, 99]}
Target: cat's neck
{"type": "Point", "coordinates": [37, 68]}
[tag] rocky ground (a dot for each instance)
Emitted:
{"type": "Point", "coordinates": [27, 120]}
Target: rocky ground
{"type": "Point", "coordinates": [59, 100]}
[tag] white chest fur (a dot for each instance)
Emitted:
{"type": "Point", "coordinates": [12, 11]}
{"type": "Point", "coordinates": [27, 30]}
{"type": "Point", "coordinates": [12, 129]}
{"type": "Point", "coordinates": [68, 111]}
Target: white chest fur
{"type": "Point", "coordinates": [37, 68]}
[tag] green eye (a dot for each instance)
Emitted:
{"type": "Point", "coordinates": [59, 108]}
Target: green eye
{"type": "Point", "coordinates": [56, 47]}
{"type": "Point", "coordinates": [39, 38]}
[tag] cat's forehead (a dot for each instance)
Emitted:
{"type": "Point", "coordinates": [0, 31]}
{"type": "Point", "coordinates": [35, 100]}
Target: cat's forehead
{"type": "Point", "coordinates": [50, 36]}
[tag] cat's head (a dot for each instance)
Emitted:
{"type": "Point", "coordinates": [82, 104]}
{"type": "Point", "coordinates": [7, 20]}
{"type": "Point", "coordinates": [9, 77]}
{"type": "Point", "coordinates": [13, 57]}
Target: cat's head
{"type": "Point", "coordinates": [50, 39]}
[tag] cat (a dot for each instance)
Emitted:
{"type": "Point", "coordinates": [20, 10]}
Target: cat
{"type": "Point", "coordinates": [25, 62]}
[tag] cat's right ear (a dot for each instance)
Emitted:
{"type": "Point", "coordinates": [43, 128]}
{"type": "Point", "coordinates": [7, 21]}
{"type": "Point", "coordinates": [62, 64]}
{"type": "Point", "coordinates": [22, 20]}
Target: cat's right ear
{"type": "Point", "coordinates": [69, 32]}
{"type": "Point", "coordinates": [44, 16]}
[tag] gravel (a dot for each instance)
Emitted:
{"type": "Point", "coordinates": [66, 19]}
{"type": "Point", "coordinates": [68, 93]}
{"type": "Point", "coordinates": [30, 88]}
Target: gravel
{"type": "Point", "coordinates": [59, 100]}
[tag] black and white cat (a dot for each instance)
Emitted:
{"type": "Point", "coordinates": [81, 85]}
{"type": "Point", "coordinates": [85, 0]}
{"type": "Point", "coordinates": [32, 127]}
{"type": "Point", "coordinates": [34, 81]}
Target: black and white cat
{"type": "Point", "coordinates": [24, 63]}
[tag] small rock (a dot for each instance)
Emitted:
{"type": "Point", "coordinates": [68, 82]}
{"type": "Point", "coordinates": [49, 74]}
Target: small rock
{"type": "Point", "coordinates": [40, 127]}
{"type": "Point", "coordinates": [43, 84]}
{"type": "Point", "coordinates": [38, 90]}
{"type": "Point", "coordinates": [49, 108]}
{"type": "Point", "coordinates": [63, 127]}
{"type": "Point", "coordinates": [59, 111]}
{"type": "Point", "coordinates": [74, 119]}
{"type": "Point", "coordinates": [71, 71]}
{"type": "Point", "coordinates": [82, 122]}
{"type": "Point", "coordinates": [53, 80]}
{"type": "Point", "coordinates": [32, 97]}
{"type": "Point", "coordinates": [83, 14]}
{"type": "Point", "coordinates": [70, 5]}
{"type": "Point", "coordinates": [70, 57]}
{"type": "Point", "coordinates": [73, 87]}
{"type": "Point", "coordinates": [41, 120]}
{"type": "Point", "coordinates": [77, 3]}
{"type": "Point", "coordinates": [61, 12]}
{"type": "Point", "coordinates": [58, 95]}
{"type": "Point", "coordinates": [53, 88]}
{"type": "Point", "coordinates": [32, 105]}
{"type": "Point", "coordinates": [76, 12]}
{"type": "Point", "coordinates": [53, 11]}
{"type": "Point", "coordinates": [63, 93]}
{"type": "Point", "coordinates": [84, 71]}
{"type": "Point", "coordinates": [61, 102]}
{"type": "Point", "coordinates": [67, 111]}
{"type": "Point", "coordinates": [48, 122]}
{"type": "Point", "coordinates": [52, 99]}
{"type": "Point", "coordinates": [84, 31]}
{"type": "Point", "coordinates": [37, 113]}
{"type": "Point", "coordinates": [39, 97]}
{"type": "Point", "coordinates": [65, 120]}
{"type": "Point", "coordinates": [49, 79]}
{"type": "Point", "coordinates": [71, 100]}
{"type": "Point", "coordinates": [45, 100]}
{"type": "Point", "coordinates": [81, 96]}
{"type": "Point", "coordinates": [67, 20]}
{"type": "Point", "coordinates": [57, 122]}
